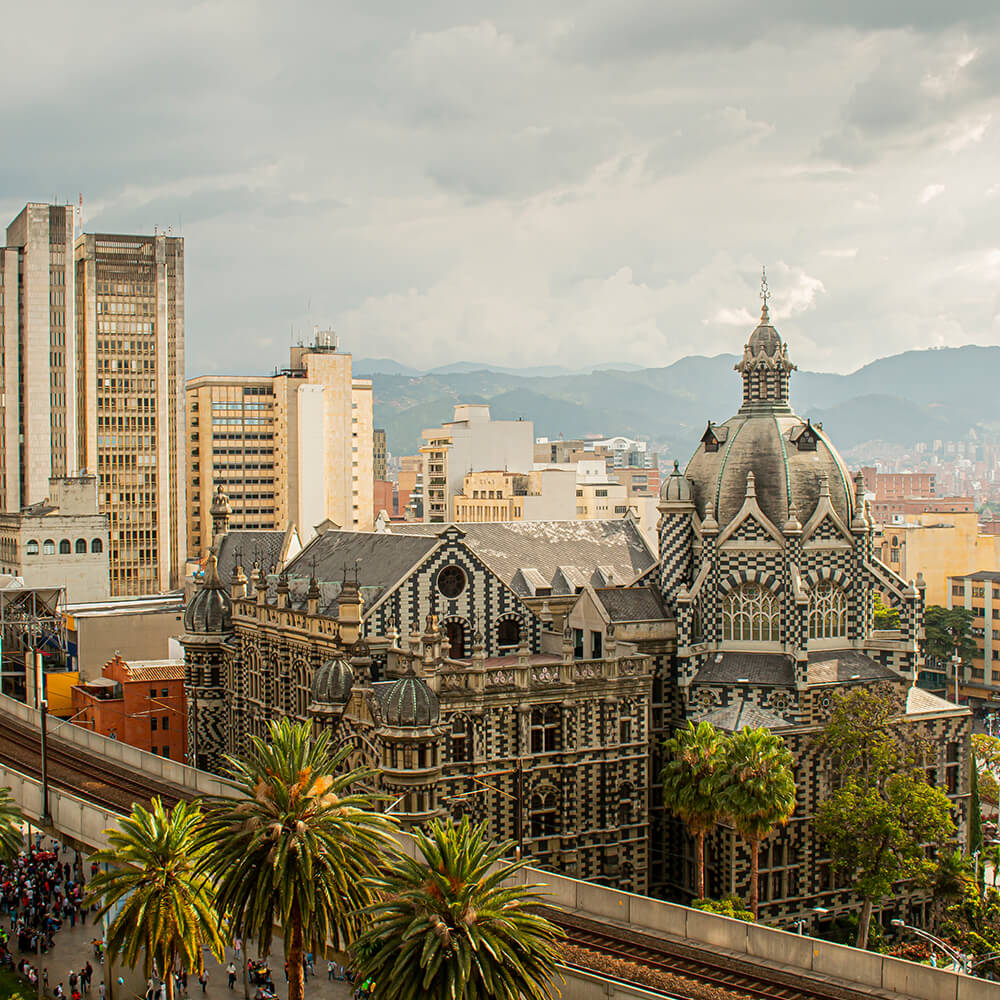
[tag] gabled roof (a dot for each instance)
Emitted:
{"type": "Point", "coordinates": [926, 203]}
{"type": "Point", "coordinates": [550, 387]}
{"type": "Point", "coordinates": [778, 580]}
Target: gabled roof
{"type": "Point", "coordinates": [266, 546]}
{"type": "Point", "coordinates": [840, 666]}
{"type": "Point", "coordinates": [772, 669]}
{"type": "Point", "coordinates": [921, 702]}
{"type": "Point", "coordinates": [631, 604]}
{"type": "Point", "coordinates": [733, 717]}
{"type": "Point", "coordinates": [545, 546]}
{"type": "Point", "coordinates": [381, 560]}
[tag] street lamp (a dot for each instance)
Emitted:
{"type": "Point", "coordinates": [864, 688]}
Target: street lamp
{"type": "Point", "coordinates": [960, 960]}
{"type": "Point", "coordinates": [956, 662]}
{"type": "Point", "coordinates": [43, 717]}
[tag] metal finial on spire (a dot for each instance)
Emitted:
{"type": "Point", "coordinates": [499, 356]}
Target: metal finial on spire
{"type": "Point", "coordinates": [764, 295]}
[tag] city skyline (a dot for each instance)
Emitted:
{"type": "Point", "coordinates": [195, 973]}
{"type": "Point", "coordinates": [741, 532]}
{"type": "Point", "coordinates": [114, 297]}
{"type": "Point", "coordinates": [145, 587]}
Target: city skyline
{"type": "Point", "coordinates": [461, 184]}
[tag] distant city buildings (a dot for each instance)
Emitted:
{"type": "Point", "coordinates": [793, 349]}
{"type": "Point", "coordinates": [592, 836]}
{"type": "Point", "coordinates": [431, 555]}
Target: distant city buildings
{"type": "Point", "coordinates": [472, 442]}
{"type": "Point", "coordinates": [292, 448]}
{"type": "Point", "coordinates": [92, 363]}
{"type": "Point", "coordinates": [380, 454]}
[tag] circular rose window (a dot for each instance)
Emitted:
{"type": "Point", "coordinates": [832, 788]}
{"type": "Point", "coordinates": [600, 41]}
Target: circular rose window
{"type": "Point", "coordinates": [451, 581]}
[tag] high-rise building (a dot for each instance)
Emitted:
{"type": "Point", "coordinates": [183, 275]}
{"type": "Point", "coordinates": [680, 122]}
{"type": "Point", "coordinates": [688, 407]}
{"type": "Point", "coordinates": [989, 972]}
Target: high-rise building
{"type": "Point", "coordinates": [128, 379]}
{"type": "Point", "coordinates": [91, 366]}
{"type": "Point", "coordinates": [38, 363]}
{"type": "Point", "coordinates": [381, 453]}
{"type": "Point", "coordinates": [292, 448]}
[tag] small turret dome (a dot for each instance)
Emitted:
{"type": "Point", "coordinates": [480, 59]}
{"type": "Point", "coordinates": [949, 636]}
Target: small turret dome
{"type": "Point", "coordinates": [211, 609]}
{"type": "Point", "coordinates": [411, 702]}
{"type": "Point", "coordinates": [676, 488]}
{"type": "Point", "coordinates": [332, 682]}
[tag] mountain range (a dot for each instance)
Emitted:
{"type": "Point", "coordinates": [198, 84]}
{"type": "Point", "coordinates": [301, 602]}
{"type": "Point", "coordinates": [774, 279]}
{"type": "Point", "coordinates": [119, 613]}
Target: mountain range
{"type": "Point", "coordinates": [899, 400]}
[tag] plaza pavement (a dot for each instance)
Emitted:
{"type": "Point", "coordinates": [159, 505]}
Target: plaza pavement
{"type": "Point", "coordinates": [74, 947]}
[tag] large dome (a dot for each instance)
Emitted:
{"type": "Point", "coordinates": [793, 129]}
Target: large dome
{"type": "Point", "coordinates": [789, 457]}
{"type": "Point", "coordinates": [785, 475]}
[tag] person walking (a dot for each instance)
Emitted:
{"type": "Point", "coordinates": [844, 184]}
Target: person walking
{"type": "Point", "coordinates": [101, 990]}
{"type": "Point", "coordinates": [329, 970]}
{"type": "Point", "coordinates": [231, 975]}
{"type": "Point", "coordinates": [203, 979]}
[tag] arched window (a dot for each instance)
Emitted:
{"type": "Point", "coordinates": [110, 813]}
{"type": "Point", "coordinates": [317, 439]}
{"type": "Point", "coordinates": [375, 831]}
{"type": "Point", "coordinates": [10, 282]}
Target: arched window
{"type": "Point", "coordinates": [509, 632]}
{"type": "Point", "coordinates": [456, 638]}
{"type": "Point", "coordinates": [48, 547]}
{"type": "Point", "coordinates": [31, 548]}
{"type": "Point", "coordinates": [461, 741]}
{"type": "Point", "coordinates": [751, 613]}
{"type": "Point", "coordinates": [544, 814]}
{"type": "Point", "coordinates": [827, 611]}
{"type": "Point", "coordinates": [96, 545]}
{"type": "Point", "coordinates": [65, 548]}
{"type": "Point", "coordinates": [81, 546]}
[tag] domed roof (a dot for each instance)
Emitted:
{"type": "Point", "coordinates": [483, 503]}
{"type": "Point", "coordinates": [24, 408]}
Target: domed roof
{"type": "Point", "coordinates": [765, 338]}
{"type": "Point", "coordinates": [332, 682]}
{"type": "Point", "coordinates": [210, 610]}
{"type": "Point", "coordinates": [410, 702]}
{"type": "Point", "coordinates": [676, 488]}
{"type": "Point", "coordinates": [787, 477]}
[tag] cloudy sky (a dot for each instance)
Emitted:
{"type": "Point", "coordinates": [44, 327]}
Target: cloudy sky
{"type": "Point", "coordinates": [530, 182]}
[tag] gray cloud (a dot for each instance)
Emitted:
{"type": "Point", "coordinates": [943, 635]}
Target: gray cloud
{"type": "Point", "coordinates": [534, 182]}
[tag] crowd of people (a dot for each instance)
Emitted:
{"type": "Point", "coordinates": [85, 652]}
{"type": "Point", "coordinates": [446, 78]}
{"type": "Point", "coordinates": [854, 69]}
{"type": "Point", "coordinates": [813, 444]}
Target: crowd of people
{"type": "Point", "coordinates": [39, 894]}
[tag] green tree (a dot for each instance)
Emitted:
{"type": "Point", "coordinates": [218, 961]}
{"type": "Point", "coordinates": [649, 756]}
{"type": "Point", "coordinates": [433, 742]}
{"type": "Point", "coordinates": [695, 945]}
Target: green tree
{"type": "Point", "coordinates": [758, 792]}
{"type": "Point", "coordinates": [11, 818]}
{"type": "Point", "coordinates": [882, 615]}
{"type": "Point", "coordinates": [950, 876]}
{"type": "Point", "coordinates": [881, 809]}
{"type": "Point", "coordinates": [948, 631]}
{"type": "Point", "coordinates": [728, 906]}
{"type": "Point", "coordinates": [691, 785]}
{"type": "Point", "coordinates": [293, 845]}
{"type": "Point", "coordinates": [986, 750]}
{"type": "Point", "coordinates": [447, 926]}
{"type": "Point", "coordinates": [167, 907]}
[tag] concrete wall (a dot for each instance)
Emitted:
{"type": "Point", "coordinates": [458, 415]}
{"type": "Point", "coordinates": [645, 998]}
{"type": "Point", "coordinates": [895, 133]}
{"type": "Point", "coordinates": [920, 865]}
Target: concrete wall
{"type": "Point", "coordinates": [141, 635]}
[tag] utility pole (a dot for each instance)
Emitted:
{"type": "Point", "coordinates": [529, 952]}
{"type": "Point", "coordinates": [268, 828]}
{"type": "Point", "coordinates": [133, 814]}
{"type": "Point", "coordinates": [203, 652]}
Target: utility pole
{"type": "Point", "coordinates": [43, 717]}
{"type": "Point", "coordinates": [519, 806]}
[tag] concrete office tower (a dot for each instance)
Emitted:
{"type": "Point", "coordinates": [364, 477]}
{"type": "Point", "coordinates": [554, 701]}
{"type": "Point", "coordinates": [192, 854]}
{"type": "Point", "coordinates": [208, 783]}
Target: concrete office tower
{"type": "Point", "coordinates": [129, 379]}
{"type": "Point", "coordinates": [37, 413]}
{"type": "Point", "coordinates": [472, 442]}
{"type": "Point", "coordinates": [292, 448]}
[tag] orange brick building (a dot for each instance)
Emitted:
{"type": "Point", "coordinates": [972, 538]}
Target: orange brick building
{"type": "Point", "coordinates": [141, 703]}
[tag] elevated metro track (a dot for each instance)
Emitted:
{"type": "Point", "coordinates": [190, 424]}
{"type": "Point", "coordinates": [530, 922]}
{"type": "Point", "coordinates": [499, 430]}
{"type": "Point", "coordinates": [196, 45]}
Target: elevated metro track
{"type": "Point", "coordinates": [653, 961]}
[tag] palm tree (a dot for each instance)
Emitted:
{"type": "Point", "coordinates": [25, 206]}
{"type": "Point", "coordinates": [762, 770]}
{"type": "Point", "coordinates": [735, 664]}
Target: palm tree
{"type": "Point", "coordinates": [691, 785]}
{"type": "Point", "coordinates": [758, 791]}
{"type": "Point", "coordinates": [447, 926]}
{"type": "Point", "coordinates": [950, 879]}
{"type": "Point", "coordinates": [293, 845]}
{"type": "Point", "coordinates": [167, 907]}
{"type": "Point", "coordinates": [11, 818]}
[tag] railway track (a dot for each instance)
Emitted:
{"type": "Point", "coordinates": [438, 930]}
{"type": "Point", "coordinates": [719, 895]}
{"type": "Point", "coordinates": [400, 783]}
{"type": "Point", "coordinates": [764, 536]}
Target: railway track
{"type": "Point", "coordinates": [103, 782]}
{"type": "Point", "coordinates": [698, 965]}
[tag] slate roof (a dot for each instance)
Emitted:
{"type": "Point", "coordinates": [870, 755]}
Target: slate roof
{"type": "Point", "coordinates": [264, 545]}
{"type": "Point", "coordinates": [732, 718]}
{"type": "Point", "coordinates": [921, 702]}
{"type": "Point", "coordinates": [547, 546]}
{"type": "Point", "coordinates": [633, 604]}
{"type": "Point", "coordinates": [382, 560]}
{"type": "Point", "coordinates": [839, 666]}
{"type": "Point", "coordinates": [773, 669]}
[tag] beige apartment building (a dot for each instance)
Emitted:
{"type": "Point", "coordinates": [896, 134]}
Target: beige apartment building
{"type": "Point", "coordinates": [92, 362]}
{"type": "Point", "coordinates": [292, 448]}
{"type": "Point", "coordinates": [129, 376]}
{"type": "Point", "coordinates": [471, 442]}
{"type": "Point", "coordinates": [541, 495]}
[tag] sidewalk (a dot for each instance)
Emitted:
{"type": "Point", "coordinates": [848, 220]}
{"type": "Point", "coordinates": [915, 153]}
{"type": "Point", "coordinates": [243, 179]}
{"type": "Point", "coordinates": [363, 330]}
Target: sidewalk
{"type": "Point", "coordinates": [73, 948]}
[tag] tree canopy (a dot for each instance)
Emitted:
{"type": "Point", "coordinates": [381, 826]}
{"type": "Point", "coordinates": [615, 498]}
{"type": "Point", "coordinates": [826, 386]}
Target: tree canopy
{"type": "Point", "coordinates": [881, 809]}
{"type": "Point", "coordinates": [948, 630]}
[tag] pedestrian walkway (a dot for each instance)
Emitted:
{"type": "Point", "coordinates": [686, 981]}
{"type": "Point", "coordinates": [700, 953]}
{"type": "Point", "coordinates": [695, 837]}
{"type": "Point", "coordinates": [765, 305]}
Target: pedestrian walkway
{"type": "Point", "coordinates": [74, 948]}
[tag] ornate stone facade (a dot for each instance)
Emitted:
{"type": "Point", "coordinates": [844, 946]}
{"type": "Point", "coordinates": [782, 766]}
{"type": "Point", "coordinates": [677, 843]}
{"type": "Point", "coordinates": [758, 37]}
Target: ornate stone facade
{"type": "Point", "coordinates": [528, 673]}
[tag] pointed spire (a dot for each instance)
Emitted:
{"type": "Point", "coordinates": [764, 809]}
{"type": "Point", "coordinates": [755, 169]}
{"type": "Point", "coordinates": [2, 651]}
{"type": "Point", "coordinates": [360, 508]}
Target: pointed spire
{"type": "Point", "coordinates": [764, 296]}
{"type": "Point", "coordinates": [751, 486]}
